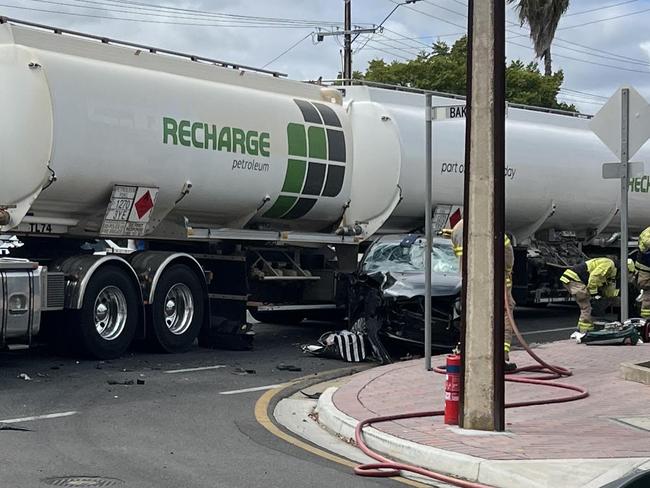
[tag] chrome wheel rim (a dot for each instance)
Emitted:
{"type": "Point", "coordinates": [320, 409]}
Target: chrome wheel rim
{"type": "Point", "coordinates": [110, 313]}
{"type": "Point", "coordinates": [179, 309]}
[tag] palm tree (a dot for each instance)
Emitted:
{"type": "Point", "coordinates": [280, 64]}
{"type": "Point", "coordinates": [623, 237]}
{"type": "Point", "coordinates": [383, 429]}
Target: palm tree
{"type": "Point", "coordinates": [542, 16]}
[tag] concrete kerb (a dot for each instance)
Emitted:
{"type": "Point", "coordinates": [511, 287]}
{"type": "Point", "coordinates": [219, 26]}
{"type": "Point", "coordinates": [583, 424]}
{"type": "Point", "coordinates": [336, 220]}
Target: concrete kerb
{"type": "Point", "coordinates": [337, 422]}
{"type": "Point", "coordinates": [574, 473]}
{"type": "Point", "coordinates": [306, 381]}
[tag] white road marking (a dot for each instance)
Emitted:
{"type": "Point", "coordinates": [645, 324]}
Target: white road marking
{"type": "Point", "coordinates": [548, 330]}
{"type": "Point", "coordinates": [189, 370]}
{"type": "Point", "coordinates": [38, 417]}
{"type": "Point", "coordinates": [247, 390]}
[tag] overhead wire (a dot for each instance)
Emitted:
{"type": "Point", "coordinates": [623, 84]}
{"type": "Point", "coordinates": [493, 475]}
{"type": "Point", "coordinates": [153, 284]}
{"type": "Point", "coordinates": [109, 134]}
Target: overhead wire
{"type": "Point", "coordinates": [610, 56]}
{"type": "Point", "coordinates": [220, 20]}
{"type": "Point", "coordinates": [594, 95]}
{"type": "Point", "coordinates": [169, 9]}
{"type": "Point", "coordinates": [622, 68]}
{"type": "Point", "coordinates": [240, 23]}
{"type": "Point", "coordinates": [294, 45]}
{"type": "Point", "coordinates": [629, 14]}
{"type": "Point", "coordinates": [442, 7]}
{"type": "Point", "coordinates": [410, 50]}
{"type": "Point", "coordinates": [146, 21]}
{"type": "Point", "coordinates": [373, 48]}
{"type": "Point", "coordinates": [414, 39]}
{"type": "Point", "coordinates": [598, 9]}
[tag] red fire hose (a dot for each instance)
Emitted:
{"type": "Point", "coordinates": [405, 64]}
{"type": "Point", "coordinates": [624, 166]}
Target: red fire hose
{"type": "Point", "coordinates": [387, 468]}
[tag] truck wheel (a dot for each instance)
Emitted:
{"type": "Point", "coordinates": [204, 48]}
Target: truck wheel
{"type": "Point", "coordinates": [176, 310]}
{"type": "Point", "coordinates": [109, 315]}
{"type": "Point", "coordinates": [278, 318]}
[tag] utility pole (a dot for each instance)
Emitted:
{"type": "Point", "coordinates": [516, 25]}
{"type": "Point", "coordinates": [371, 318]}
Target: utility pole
{"type": "Point", "coordinates": [347, 44]}
{"type": "Point", "coordinates": [482, 402]}
{"type": "Point", "coordinates": [348, 32]}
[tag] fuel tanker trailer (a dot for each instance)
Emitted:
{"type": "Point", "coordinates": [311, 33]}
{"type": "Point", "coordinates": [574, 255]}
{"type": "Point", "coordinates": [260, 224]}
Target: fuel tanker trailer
{"type": "Point", "coordinates": [223, 189]}
{"type": "Point", "coordinates": [240, 189]}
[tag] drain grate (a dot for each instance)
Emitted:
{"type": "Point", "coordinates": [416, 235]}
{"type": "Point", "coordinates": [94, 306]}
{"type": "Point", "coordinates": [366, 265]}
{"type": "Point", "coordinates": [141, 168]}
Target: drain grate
{"type": "Point", "coordinates": [82, 481]}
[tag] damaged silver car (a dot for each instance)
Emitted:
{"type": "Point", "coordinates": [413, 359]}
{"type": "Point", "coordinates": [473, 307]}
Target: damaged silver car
{"type": "Point", "coordinates": [386, 296]}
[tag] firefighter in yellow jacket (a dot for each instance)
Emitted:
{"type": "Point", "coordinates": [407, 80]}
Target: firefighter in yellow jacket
{"type": "Point", "coordinates": [509, 261]}
{"type": "Point", "coordinates": [642, 266]}
{"type": "Point", "coordinates": [587, 280]}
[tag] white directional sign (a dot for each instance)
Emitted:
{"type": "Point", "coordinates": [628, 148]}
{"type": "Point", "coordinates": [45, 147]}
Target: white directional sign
{"type": "Point", "coordinates": [616, 170]}
{"type": "Point", "coordinates": [448, 112]}
{"type": "Point", "coordinates": [607, 123]}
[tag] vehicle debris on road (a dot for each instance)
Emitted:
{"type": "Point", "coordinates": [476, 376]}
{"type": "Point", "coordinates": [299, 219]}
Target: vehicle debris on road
{"type": "Point", "coordinates": [122, 382]}
{"type": "Point", "coordinates": [242, 371]}
{"type": "Point", "coordinates": [288, 367]}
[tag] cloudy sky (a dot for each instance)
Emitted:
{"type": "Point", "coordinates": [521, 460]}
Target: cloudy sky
{"type": "Point", "coordinates": [600, 44]}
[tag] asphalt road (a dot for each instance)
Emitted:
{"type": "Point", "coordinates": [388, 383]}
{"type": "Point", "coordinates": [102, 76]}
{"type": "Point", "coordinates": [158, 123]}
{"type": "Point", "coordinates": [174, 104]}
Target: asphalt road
{"type": "Point", "coordinates": [178, 429]}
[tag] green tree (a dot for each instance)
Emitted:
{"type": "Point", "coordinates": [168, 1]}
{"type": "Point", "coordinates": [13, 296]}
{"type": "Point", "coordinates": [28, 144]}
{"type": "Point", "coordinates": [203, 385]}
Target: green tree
{"type": "Point", "coordinates": [444, 69]}
{"type": "Point", "coordinates": [542, 16]}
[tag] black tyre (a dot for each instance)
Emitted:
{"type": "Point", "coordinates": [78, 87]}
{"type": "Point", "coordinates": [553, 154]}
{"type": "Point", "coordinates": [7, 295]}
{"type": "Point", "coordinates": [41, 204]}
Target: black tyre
{"type": "Point", "coordinates": [177, 310]}
{"type": "Point", "coordinates": [109, 315]}
{"type": "Point", "coordinates": [278, 318]}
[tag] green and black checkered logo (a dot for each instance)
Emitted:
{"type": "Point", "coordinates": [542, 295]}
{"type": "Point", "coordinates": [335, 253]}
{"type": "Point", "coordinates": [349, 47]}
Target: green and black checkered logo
{"type": "Point", "coordinates": [316, 166]}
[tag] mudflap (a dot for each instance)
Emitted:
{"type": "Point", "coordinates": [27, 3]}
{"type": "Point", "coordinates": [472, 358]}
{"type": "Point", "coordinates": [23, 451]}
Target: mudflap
{"type": "Point", "coordinates": [228, 327]}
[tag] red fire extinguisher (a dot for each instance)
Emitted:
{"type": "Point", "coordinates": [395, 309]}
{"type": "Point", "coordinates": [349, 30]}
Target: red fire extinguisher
{"type": "Point", "coordinates": [452, 388]}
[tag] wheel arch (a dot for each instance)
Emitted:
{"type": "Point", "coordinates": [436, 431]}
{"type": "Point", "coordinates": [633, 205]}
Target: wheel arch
{"type": "Point", "coordinates": [150, 266]}
{"type": "Point", "coordinates": [80, 269]}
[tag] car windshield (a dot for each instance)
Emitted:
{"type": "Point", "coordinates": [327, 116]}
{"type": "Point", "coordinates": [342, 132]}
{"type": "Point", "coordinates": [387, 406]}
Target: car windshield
{"type": "Point", "coordinates": [396, 258]}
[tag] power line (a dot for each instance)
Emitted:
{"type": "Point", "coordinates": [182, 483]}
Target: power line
{"type": "Point", "coordinates": [453, 34]}
{"type": "Point", "coordinates": [168, 9]}
{"type": "Point", "coordinates": [221, 20]}
{"type": "Point", "coordinates": [462, 14]}
{"type": "Point", "coordinates": [598, 9]}
{"type": "Point", "coordinates": [629, 14]}
{"type": "Point", "coordinates": [617, 56]}
{"type": "Point", "coordinates": [147, 21]}
{"type": "Point", "coordinates": [287, 50]}
{"type": "Point", "coordinates": [414, 39]}
{"type": "Point", "coordinates": [602, 56]}
{"type": "Point", "coordinates": [611, 56]}
{"type": "Point", "coordinates": [584, 93]}
{"type": "Point", "coordinates": [433, 16]}
{"type": "Point", "coordinates": [634, 60]}
{"type": "Point", "coordinates": [385, 42]}
{"type": "Point", "coordinates": [564, 98]}
{"type": "Point", "coordinates": [586, 61]}
{"type": "Point", "coordinates": [114, 9]}
{"type": "Point", "coordinates": [388, 52]}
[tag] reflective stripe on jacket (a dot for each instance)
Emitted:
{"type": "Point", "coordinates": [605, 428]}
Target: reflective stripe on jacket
{"type": "Point", "coordinates": [596, 273]}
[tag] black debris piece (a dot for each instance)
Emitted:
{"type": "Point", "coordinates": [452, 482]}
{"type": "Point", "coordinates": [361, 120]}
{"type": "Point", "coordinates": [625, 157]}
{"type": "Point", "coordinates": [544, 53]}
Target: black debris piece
{"type": "Point", "coordinates": [288, 367]}
{"type": "Point", "coordinates": [123, 382]}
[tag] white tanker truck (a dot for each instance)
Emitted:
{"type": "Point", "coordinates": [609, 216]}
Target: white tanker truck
{"type": "Point", "coordinates": [243, 190]}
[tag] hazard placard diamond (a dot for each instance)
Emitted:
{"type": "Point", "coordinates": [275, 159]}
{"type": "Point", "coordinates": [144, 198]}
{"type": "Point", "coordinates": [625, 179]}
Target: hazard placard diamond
{"type": "Point", "coordinates": [144, 204]}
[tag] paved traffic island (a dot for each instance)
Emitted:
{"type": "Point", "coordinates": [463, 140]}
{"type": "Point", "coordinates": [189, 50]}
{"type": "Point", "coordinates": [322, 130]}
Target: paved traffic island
{"type": "Point", "coordinates": [586, 443]}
